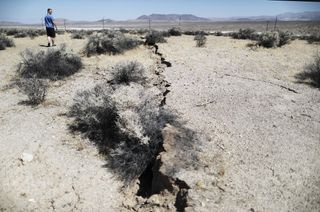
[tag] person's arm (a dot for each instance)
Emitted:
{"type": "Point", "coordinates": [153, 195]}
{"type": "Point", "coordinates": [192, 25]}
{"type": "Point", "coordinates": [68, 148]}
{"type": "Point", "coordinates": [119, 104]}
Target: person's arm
{"type": "Point", "coordinates": [54, 24]}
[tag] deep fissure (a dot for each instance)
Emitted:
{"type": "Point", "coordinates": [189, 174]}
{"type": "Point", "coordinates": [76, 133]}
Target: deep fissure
{"type": "Point", "coordinates": [152, 181]}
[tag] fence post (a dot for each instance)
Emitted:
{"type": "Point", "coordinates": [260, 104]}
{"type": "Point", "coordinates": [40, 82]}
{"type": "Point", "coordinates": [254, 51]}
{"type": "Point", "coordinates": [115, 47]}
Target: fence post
{"type": "Point", "coordinates": [275, 24]}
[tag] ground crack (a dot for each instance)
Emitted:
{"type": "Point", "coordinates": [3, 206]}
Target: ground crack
{"type": "Point", "coordinates": [271, 83]}
{"type": "Point", "coordinates": [156, 188]}
{"type": "Point", "coordinates": [78, 198]}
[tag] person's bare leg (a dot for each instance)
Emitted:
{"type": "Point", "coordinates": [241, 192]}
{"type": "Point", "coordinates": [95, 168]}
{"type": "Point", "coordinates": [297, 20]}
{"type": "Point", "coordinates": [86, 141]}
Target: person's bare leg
{"type": "Point", "coordinates": [52, 40]}
{"type": "Point", "coordinates": [49, 41]}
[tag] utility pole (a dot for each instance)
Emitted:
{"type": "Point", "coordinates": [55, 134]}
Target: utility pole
{"type": "Point", "coordinates": [149, 24]}
{"type": "Point", "coordinates": [275, 24]}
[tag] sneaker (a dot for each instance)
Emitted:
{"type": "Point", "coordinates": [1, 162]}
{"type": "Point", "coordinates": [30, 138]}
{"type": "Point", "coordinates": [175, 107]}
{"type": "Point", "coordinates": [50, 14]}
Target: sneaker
{"type": "Point", "coordinates": [48, 45]}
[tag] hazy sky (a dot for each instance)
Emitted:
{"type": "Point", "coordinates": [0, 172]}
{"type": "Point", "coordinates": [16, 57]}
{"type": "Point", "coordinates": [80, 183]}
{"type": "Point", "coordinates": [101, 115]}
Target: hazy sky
{"type": "Point", "coordinates": [30, 11]}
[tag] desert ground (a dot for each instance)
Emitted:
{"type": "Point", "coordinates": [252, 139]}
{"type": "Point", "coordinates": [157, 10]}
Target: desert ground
{"type": "Point", "coordinates": [297, 27]}
{"type": "Point", "coordinates": [261, 146]}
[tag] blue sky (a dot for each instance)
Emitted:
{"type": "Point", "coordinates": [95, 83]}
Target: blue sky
{"type": "Point", "coordinates": [30, 11]}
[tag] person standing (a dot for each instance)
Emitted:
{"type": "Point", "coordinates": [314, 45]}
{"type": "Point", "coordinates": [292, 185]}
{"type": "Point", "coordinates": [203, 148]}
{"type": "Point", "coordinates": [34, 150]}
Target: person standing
{"type": "Point", "coordinates": [50, 27]}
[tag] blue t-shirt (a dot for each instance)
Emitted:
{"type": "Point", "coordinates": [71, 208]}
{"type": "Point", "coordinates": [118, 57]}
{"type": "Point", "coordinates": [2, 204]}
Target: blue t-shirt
{"type": "Point", "coordinates": [48, 20]}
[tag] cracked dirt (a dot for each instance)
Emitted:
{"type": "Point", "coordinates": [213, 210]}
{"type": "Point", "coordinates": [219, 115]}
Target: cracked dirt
{"type": "Point", "coordinates": [259, 133]}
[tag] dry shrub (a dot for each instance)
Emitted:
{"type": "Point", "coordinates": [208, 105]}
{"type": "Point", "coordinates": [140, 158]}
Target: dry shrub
{"type": "Point", "coordinates": [247, 33]}
{"type": "Point", "coordinates": [218, 33]}
{"type": "Point", "coordinates": [311, 75]}
{"type": "Point", "coordinates": [110, 43]}
{"type": "Point", "coordinates": [314, 38]}
{"type": "Point", "coordinates": [78, 35]}
{"type": "Point", "coordinates": [34, 88]}
{"type": "Point", "coordinates": [269, 40]}
{"type": "Point", "coordinates": [155, 37]}
{"type": "Point", "coordinates": [129, 71]}
{"type": "Point", "coordinates": [125, 124]}
{"type": "Point", "coordinates": [5, 42]}
{"type": "Point", "coordinates": [174, 31]}
{"type": "Point", "coordinates": [11, 32]}
{"type": "Point", "coordinates": [54, 64]}
{"type": "Point", "coordinates": [22, 33]}
{"type": "Point", "coordinates": [95, 114]}
{"type": "Point", "coordinates": [200, 39]}
{"type": "Point", "coordinates": [284, 38]}
{"type": "Point", "coordinates": [274, 39]}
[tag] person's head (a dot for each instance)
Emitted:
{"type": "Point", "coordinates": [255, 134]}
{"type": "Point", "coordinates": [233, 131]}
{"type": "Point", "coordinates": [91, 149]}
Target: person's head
{"type": "Point", "coordinates": [49, 11]}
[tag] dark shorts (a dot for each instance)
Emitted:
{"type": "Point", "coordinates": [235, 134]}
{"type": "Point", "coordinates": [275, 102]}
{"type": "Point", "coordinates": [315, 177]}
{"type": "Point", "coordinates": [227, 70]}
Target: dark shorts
{"type": "Point", "coordinates": [51, 32]}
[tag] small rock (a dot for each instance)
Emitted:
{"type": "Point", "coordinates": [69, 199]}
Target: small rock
{"type": "Point", "coordinates": [26, 157]}
{"type": "Point", "coordinates": [31, 200]}
{"type": "Point", "coordinates": [200, 184]}
{"type": "Point", "coordinates": [56, 84]}
{"type": "Point", "coordinates": [154, 199]}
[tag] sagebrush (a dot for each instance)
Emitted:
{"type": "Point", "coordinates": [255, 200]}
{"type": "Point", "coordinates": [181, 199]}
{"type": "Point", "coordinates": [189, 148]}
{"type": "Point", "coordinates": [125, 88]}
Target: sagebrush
{"type": "Point", "coordinates": [128, 71]}
{"type": "Point", "coordinates": [54, 64]}
{"type": "Point", "coordinates": [78, 35]}
{"type": "Point", "coordinates": [110, 43]}
{"type": "Point", "coordinates": [269, 39]}
{"type": "Point", "coordinates": [175, 31]}
{"type": "Point", "coordinates": [22, 33]}
{"type": "Point", "coordinates": [125, 123]}
{"type": "Point", "coordinates": [34, 88]}
{"type": "Point", "coordinates": [311, 75]}
{"type": "Point", "coordinates": [247, 33]}
{"type": "Point", "coordinates": [200, 39]}
{"type": "Point", "coordinates": [313, 38]}
{"type": "Point", "coordinates": [5, 42]}
{"type": "Point", "coordinates": [274, 39]}
{"type": "Point", "coordinates": [155, 37]}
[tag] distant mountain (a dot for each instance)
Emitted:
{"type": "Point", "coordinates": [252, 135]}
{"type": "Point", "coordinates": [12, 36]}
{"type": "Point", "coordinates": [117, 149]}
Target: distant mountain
{"type": "Point", "coordinates": [72, 22]}
{"type": "Point", "coordinates": [9, 23]}
{"type": "Point", "coordinates": [303, 16]}
{"type": "Point", "coordinates": [172, 17]}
